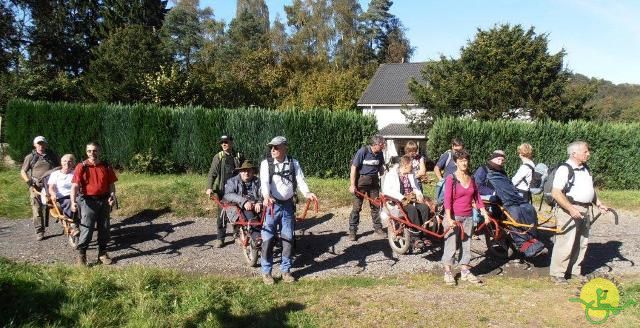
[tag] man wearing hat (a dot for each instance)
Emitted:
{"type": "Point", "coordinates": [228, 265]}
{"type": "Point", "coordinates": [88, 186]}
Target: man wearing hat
{"type": "Point", "coordinates": [34, 167]}
{"type": "Point", "coordinates": [243, 190]}
{"type": "Point", "coordinates": [222, 168]}
{"type": "Point", "coordinates": [280, 176]}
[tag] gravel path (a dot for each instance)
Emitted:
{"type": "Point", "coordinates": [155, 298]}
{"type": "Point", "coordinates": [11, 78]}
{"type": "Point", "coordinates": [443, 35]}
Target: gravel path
{"type": "Point", "coordinates": [155, 239]}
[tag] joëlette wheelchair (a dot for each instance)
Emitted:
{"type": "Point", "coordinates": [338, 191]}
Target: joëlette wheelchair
{"type": "Point", "coordinates": [243, 228]}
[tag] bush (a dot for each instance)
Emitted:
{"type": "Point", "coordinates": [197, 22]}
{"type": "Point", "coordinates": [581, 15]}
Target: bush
{"type": "Point", "coordinates": [186, 138]}
{"type": "Point", "coordinates": [614, 146]}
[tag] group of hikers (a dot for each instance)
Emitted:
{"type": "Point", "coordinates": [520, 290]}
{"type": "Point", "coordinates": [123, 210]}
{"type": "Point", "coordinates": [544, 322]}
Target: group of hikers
{"type": "Point", "coordinates": [270, 189]}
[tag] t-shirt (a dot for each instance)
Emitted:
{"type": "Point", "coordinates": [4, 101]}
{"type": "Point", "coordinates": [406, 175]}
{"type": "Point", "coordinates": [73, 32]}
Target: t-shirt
{"type": "Point", "coordinates": [522, 178]}
{"type": "Point", "coordinates": [94, 180]}
{"type": "Point", "coordinates": [62, 181]}
{"type": "Point", "coordinates": [462, 197]}
{"type": "Point", "coordinates": [45, 162]}
{"type": "Point", "coordinates": [442, 162]}
{"type": "Point", "coordinates": [405, 184]}
{"type": "Point", "coordinates": [367, 162]}
{"type": "Point", "coordinates": [582, 190]}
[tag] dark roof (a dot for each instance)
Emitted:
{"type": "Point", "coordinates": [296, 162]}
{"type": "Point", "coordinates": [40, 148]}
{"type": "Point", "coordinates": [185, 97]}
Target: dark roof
{"type": "Point", "coordinates": [390, 84]}
{"type": "Point", "coordinates": [398, 129]}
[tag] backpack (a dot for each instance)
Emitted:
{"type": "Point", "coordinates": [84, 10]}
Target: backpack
{"type": "Point", "coordinates": [288, 174]}
{"type": "Point", "coordinates": [548, 183]}
{"type": "Point", "coordinates": [539, 175]}
{"type": "Point", "coordinates": [35, 157]}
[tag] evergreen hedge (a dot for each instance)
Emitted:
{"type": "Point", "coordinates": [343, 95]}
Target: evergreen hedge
{"type": "Point", "coordinates": [614, 146]}
{"type": "Point", "coordinates": [187, 137]}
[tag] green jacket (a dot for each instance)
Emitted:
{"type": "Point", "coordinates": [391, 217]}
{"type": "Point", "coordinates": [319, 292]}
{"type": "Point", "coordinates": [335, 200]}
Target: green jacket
{"type": "Point", "coordinates": [222, 168]}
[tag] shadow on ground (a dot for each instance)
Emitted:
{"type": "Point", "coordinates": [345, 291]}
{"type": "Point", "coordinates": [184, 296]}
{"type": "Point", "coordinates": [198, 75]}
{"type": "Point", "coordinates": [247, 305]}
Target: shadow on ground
{"type": "Point", "coordinates": [141, 228]}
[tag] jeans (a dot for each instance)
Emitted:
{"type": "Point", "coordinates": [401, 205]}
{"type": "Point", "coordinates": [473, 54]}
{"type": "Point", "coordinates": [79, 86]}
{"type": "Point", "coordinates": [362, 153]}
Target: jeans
{"type": "Point", "coordinates": [283, 215]}
{"type": "Point", "coordinates": [93, 211]}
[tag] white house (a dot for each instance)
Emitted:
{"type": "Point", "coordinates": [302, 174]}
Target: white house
{"type": "Point", "coordinates": [385, 96]}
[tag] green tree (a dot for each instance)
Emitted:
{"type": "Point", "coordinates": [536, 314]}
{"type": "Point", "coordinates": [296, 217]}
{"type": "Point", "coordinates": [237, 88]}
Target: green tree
{"type": "Point", "coordinates": [504, 72]}
{"type": "Point", "coordinates": [183, 31]}
{"type": "Point", "coordinates": [385, 33]}
{"type": "Point", "coordinates": [8, 37]}
{"type": "Point", "coordinates": [62, 34]}
{"type": "Point", "coordinates": [121, 63]}
{"type": "Point", "coordinates": [257, 8]}
{"type": "Point", "coordinates": [120, 13]}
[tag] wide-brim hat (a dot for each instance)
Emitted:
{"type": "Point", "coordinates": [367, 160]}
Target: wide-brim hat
{"type": "Point", "coordinates": [246, 165]}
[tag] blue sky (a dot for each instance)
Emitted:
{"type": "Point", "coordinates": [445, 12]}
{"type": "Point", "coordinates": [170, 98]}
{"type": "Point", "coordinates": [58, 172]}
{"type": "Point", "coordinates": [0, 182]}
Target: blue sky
{"type": "Point", "coordinates": [601, 38]}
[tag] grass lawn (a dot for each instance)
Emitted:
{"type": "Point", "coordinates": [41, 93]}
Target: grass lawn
{"type": "Point", "coordinates": [34, 295]}
{"type": "Point", "coordinates": [183, 195]}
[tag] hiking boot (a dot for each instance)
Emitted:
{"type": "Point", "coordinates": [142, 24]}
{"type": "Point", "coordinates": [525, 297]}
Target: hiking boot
{"type": "Point", "coordinates": [468, 276]}
{"type": "Point", "coordinates": [352, 236]}
{"type": "Point", "coordinates": [39, 236]}
{"type": "Point", "coordinates": [218, 243]}
{"type": "Point", "coordinates": [267, 279]}
{"type": "Point", "coordinates": [105, 259]}
{"type": "Point", "coordinates": [287, 277]}
{"type": "Point", "coordinates": [559, 280]}
{"type": "Point", "coordinates": [81, 259]}
{"type": "Point", "coordinates": [579, 277]}
{"type": "Point", "coordinates": [379, 232]}
{"type": "Point", "coordinates": [449, 280]}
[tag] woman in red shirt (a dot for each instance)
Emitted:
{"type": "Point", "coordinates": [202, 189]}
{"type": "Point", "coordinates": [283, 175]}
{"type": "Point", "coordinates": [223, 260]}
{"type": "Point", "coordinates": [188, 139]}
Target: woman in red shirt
{"type": "Point", "coordinates": [460, 199]}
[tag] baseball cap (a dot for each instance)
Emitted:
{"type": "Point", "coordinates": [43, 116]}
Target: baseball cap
{"type": "Point", "coordinates": [279, 140]}
{"type": "Point", "coordinates": [226, 138]}
{"type": "Point", "coordinates": [39, 139]}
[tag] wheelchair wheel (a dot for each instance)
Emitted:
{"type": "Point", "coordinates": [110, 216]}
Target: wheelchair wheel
{"type": "Point", "coordinates": [73, 241]}
{"type": "Point", "coordinates": [500, 248]}
{"type": "Point", "coordinates": [249, 247]}
{"type": "Point", "coordinates": [399, 237]}
{"type": "Point", "coordinates": [251, 253]}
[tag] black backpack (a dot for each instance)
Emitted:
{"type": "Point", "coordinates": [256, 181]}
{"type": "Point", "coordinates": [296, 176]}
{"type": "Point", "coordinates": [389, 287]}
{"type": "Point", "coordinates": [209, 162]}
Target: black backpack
{"type": "Point", "coordinates": [289, 173]}
{"type": "Point", "coordinates": [548, 183]}
{"type": "Point", "coordinates": [536, 178]}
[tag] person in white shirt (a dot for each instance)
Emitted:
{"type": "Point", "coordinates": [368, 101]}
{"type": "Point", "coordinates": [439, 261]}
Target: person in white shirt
{"type": "Point", "coordinates": [575, 195]}
{"type": "Point", "coordinates": [280, 176]}
{"type": "Point", "coordinates": [400, 184]}
{"type": "Point", "coordinates": [60, 184]}
{"type": "Point", "coordinates": [522, 178]}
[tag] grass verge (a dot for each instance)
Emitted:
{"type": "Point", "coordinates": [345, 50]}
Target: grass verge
{"type": "Point", "coordinates": [35, 295]}
{"type": "Point", "coordinates": [183, 195]}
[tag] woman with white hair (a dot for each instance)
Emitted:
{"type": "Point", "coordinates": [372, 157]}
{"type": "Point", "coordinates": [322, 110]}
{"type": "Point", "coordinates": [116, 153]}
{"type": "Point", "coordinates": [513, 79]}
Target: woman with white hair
{"type": "Point", "coordinates": [60, 184]}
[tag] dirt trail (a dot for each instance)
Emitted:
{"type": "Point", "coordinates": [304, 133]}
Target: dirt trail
{"type": "Point", "coordinates": [153, 238]}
